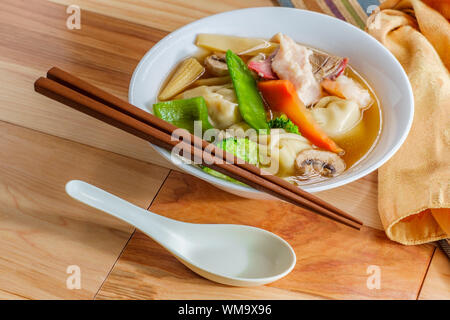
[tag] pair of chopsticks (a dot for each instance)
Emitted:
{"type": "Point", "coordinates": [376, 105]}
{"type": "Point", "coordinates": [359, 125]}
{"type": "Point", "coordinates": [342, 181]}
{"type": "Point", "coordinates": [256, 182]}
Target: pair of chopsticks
{"type": "Point", "coordinates": [84, 97]}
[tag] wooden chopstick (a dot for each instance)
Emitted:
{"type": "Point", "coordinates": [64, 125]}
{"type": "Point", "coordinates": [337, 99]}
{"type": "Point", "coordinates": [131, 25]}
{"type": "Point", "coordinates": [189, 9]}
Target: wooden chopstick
{"type": "Point", "coordinates": [101, 105]}
{"type": "Point", "coordinates": [102, 96]}
{"type": "Point", "coordinates": [123, 121]}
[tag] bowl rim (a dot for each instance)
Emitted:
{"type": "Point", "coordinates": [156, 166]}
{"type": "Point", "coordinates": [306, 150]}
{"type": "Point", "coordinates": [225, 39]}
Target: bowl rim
{"type": "Point", "coordinates": [154, 51]}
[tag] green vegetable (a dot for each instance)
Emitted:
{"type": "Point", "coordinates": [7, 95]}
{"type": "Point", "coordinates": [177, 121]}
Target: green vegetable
{"type": "Point", "coordinates": [283, 122]}
{"type": "Point", "coordinates": [242, 148]}
{"type": "Point", "coordinates": [251, 105]}
{"type": "Point", "coordinates": [221, 175]}
{"type": "Point", "coordinates": [183, 113]}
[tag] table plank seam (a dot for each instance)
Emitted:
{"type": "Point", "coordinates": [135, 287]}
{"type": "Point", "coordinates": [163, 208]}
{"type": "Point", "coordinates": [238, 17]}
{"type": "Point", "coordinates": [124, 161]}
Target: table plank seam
{"type": "Point", "coordinates": [39, 217]}
{"type": "Point", "coordinates": [131, 236]}
{"type": "Point", "coordinates": [89, 146]}
{"type": "Point", "coordinates": [12, 293]}
{"type": "Point", "coordinates": [426, 273]}
{"type": "Point", "coordinates": [106, 28]}
{"type": "Point", "coordinates": [113, 265]}
{"type": "Point", "coordinates": [159, 190]}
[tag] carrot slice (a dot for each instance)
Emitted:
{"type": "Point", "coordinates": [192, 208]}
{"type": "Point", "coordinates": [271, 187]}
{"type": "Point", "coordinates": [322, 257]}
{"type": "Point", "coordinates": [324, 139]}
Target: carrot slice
{"type": "Point", "coordinates": [282, 97]}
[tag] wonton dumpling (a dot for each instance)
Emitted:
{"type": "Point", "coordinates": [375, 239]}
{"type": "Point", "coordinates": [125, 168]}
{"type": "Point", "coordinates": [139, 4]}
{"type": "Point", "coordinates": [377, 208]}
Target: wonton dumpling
{"type": "Point", "coordinates": [281, 151]}
{"type": "Point", "coordinates": [223, 109]}
{"type": "Point", "coordinates": [336, 116]}
{"type": "Point", "coordinates": [288, 151]}
{"type": "Point", "coordinates": [241, 130]}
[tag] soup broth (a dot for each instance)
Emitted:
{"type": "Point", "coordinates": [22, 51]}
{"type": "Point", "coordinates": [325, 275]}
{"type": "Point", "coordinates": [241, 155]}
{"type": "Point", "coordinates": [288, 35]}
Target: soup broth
{"type": "Point", "coordinates": [356, 142]}
{"type": "Point", "coordinates": [361, 139]}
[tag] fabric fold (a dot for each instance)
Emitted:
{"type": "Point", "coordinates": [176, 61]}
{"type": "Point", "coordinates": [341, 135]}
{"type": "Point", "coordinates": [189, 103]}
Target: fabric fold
{"type": "Point", "coordinates": [414, 185]}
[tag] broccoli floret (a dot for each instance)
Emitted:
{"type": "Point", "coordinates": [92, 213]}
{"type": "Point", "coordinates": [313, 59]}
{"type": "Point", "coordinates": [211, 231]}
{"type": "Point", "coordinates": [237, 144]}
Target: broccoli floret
{"type": "Point", "coordinates": [283, 122]}
{"type": "Point", "coordinates": [242, 148]}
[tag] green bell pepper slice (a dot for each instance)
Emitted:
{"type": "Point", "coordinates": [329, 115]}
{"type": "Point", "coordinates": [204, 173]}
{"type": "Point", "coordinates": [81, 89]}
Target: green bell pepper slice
{"type": "Point", "coordinates": [183, 113]}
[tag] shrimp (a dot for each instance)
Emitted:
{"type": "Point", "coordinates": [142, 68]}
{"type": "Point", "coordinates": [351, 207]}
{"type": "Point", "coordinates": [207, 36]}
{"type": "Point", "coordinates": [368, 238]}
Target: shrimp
{"type": "Point", "coordinates": [346, 88]}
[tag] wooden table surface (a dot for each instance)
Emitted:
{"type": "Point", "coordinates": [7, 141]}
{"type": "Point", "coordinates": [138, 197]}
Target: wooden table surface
{"type": "Point", "coordinates": [44, 233]}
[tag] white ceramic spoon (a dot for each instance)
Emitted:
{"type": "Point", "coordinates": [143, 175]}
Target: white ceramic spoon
{"type": "Point", "coordinates": [229, 254]}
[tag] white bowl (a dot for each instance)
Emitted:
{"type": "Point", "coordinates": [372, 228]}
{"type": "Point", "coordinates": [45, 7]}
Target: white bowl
{"type": "Point", "coordinates": [373, 61]}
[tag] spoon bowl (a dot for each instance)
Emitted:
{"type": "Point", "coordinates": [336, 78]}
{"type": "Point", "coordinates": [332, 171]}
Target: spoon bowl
{"type": "Point", "coordinates": [230, 254]}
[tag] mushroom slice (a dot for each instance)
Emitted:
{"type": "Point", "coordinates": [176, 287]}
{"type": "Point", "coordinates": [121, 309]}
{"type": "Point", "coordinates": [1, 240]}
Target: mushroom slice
{"type": "Point", "coordinates": [314, 162]}
{"type": "Point", "coordinates": [216, 64]}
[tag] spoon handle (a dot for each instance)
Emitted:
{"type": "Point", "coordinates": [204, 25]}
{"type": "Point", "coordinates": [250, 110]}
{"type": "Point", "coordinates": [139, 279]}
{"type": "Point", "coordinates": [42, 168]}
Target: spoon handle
{"type": "Point", "coordinates": [155, 226]}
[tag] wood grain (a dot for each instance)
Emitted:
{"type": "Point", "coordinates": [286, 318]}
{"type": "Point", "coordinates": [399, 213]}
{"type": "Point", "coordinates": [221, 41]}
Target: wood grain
{"type": "Point", "coordinates": [359, 198]}
{"type": "Point", "coordinates": [146, 271]}
{"type": "Point", "coordinates": [166, 15]}
{"type": "Point", "coordinates": [332, 260]}
{"type": "Point", "coordinates": [43, 231]}
{"type": "Point", "coordinates": [436, 285]}
{"type": "Point", "coordinates": [105, 52]}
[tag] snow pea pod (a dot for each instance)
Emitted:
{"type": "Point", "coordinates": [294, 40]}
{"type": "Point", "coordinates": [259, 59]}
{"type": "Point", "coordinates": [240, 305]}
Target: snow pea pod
{"type": "Point", "coordinates": [251, 105]}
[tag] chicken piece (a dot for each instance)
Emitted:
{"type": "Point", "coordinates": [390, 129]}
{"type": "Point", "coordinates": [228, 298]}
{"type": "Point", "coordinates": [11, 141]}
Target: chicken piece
{"type": "Point", "coordinates": [324, 65]}
{"type": "Point", "coordinates": [346, 88]}
{"type": "Point", "coordinates": [292, 63]}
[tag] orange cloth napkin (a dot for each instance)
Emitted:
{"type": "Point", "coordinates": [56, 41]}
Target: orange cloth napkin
{"type": "Point", "coordinates": [414, 186]}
